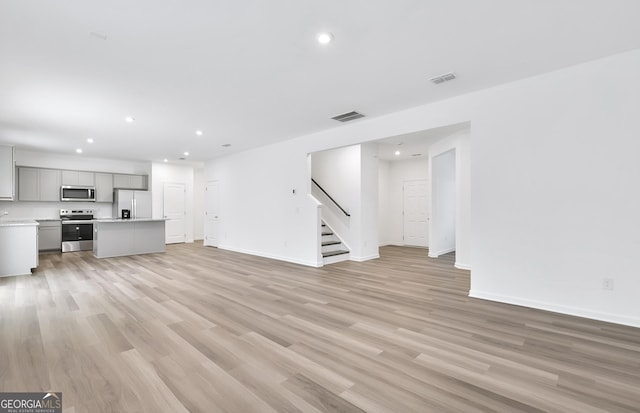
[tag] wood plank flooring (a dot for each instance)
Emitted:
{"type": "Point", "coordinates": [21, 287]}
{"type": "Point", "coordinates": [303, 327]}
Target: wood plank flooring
{"type": "Point", "coordinates": [205, 330]}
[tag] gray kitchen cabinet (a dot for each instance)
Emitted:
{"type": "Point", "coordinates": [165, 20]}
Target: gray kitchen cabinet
{"type": "Point", "coordinates": [125, 181]}
{"type": "Point", "coordinates": [104, 187]}
{"type": "Point", "coordinates": [120, 237]}
{"type": "Point", "coordinates": [28, 184]}
{"type": "Point", "coordinates": [50, 185]}
{"type": "Point", "coordinates": [6, 173]}
{"type": "Point", "coordinates": [38, 184]}
{"type": "Point", "coordinates": [78, 178]}
{"type": "Point", "coordinates": [49, 235]}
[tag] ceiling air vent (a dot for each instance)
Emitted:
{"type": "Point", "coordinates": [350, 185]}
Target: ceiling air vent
{"type": "Point", "coordinates": [443, 78]}
{"type": "Point", "coordinates": [346, 117]}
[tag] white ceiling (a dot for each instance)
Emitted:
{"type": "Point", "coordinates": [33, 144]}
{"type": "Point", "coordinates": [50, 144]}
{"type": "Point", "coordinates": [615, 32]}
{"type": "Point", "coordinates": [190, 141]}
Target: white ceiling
{"type": "Point", "coordinates": [251, 73]}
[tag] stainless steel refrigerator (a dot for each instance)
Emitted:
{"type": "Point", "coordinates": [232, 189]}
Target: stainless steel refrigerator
{"type": "Point", "coordinates": [138, 202]}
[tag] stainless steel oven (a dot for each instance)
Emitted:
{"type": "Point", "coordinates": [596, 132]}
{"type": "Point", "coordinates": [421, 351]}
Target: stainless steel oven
{"type": "Point", "coordinates": [77, 229]}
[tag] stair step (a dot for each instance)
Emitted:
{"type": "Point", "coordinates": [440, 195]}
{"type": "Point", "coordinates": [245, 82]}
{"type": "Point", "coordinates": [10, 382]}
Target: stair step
{"type": "Point", "coordinates": [327, 233]}
{"type": "Point", "coordinates": [333, 253]}
{"type": "Point", "coordinates": [326, 243]}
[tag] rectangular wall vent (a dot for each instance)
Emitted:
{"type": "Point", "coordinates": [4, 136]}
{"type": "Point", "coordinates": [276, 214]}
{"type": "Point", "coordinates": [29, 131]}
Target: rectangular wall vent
{"type": "Point", "coordinates": [443, 78]}
{"type": "Point", "coordinates": [346, 117]}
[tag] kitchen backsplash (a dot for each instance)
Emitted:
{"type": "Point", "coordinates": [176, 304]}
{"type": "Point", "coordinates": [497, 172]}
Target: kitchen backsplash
{"type": "Point", "coordinates": [47, 210]}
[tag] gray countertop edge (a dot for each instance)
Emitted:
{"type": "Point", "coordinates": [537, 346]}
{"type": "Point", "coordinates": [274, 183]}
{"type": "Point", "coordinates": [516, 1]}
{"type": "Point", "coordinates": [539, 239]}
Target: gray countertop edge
{"type": "Point", "coordinates": [120, 220]}
{"type": "Point", "coordinates": [18, 223]}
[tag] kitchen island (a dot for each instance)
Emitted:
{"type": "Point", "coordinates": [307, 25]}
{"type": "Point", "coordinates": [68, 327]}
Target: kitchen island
{"type": "Point", "coordinates": [18, 246]}
{"type": "Point", "coordinates": [120, 237]}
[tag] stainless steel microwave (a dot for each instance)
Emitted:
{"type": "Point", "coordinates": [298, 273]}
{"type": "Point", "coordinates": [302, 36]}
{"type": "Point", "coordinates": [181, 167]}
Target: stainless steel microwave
{"type": "Point", "coordinates": [78, 193]}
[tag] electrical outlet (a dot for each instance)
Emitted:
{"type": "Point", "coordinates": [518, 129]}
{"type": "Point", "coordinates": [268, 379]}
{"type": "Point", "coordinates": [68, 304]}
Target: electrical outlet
{"type": "Point", "coordinates": [607, 283]}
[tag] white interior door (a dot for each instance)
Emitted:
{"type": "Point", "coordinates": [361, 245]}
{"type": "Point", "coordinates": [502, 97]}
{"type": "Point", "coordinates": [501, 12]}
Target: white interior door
{"type": "Point", "coordinates": [174, 213]}
{"type": "Point", "coordinates": [212, 213]}
{"type": "Point", "coordinates": [416, 216]}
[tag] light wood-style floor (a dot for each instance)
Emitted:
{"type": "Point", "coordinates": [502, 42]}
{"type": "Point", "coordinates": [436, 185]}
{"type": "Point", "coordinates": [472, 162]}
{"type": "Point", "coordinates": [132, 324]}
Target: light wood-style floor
{"type": "Point", "coordinates": [204, 330]}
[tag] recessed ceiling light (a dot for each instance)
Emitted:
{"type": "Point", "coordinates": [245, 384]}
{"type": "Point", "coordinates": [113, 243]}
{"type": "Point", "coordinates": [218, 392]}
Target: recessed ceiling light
{"type": "Point", "coordinates": [186, 154]}
{"type": "Point", "coordinates": [397, 153]}
{"type": "Point", "coordinates": [325, 38]}
{"type": "Point", "coordinates": [199, 132]}
{"type": "Point", "coordinates": [78, 150]}
{"type": "Point", "coordinates": [90, 140]}
{"type": "Point", "coordinates": [129, 119]}
{"type": "Point", "coordinates": [165, 160]}
{"type": "Point", "coordinates": [226, 145]}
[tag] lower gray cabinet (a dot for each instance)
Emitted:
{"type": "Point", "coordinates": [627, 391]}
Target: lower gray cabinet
{"type": "Point", "coordinates": [49, 235]}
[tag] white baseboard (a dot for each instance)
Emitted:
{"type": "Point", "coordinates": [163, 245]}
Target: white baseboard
{"type": "Point", "coordinates": [436, 254]}
{"type": "Point", "coordinates": [462, 266]}
{"type": "Point", "coordinates": [557, 308]}
{"type": "Point", "coordinates": [367, 258]}
{"type": "Point", "coordinates": [272, 256]}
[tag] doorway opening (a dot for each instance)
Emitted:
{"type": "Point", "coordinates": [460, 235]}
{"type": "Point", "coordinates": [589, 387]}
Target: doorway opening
{"type": "Point", "coordinates": [436, 160]}
{"type": "Point", "coordinates": [443, 204]}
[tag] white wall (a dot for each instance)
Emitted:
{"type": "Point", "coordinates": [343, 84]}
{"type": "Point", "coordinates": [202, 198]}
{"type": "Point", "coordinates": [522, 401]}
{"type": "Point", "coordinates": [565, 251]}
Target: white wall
{"type": "Point", "coordinates": [199, 185]}
{"type": "Point", "coordinates": [79, 162]}
{"type": "Point", "coordinates": [442, 231]}
{"type": "Point", "coordinates": [338, 172]}
{"type": "Point", "coordinates": [553, 169]}
{"type": "Point", "coordinates": [384, 203]}
{"type": "Point", "coordinates": [368, 223]}
{"type": "Point", "coordinates": [259, 213]}
{"type": "Point", "coordinates": [169, 173]}
{"type": "Point", "coordinates": [555, 201]}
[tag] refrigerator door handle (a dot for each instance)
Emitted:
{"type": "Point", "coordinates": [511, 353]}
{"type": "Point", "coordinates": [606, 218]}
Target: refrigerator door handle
{"type": "Point", "coordinates": [135, 213]}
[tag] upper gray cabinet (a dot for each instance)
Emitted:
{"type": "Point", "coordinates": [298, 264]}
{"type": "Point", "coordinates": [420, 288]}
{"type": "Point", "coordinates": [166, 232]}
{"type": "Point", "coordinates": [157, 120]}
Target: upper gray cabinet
{"type": "Point", "coordinates": [40, 184]}
{"type": "Point", "coordinates": [123, 181]}
{"type": "Point", "coordinates": [6, 173]}
{"type": "Point", "coordinates": [78, 178]}
{"type": "Point", "coordinates": [36, 184]}
{"type": "Point", "coordinates": [104, 187]}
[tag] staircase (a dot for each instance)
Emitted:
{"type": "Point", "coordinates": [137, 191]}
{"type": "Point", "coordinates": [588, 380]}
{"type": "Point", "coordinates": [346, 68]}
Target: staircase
{"type": "Point", "coordinates": [333, 250]}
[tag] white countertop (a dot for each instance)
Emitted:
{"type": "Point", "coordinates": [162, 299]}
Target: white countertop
{"type": "Point", "coordinates": [128, 220]}
{"type": "Point", "coordinates": [17, 222]}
